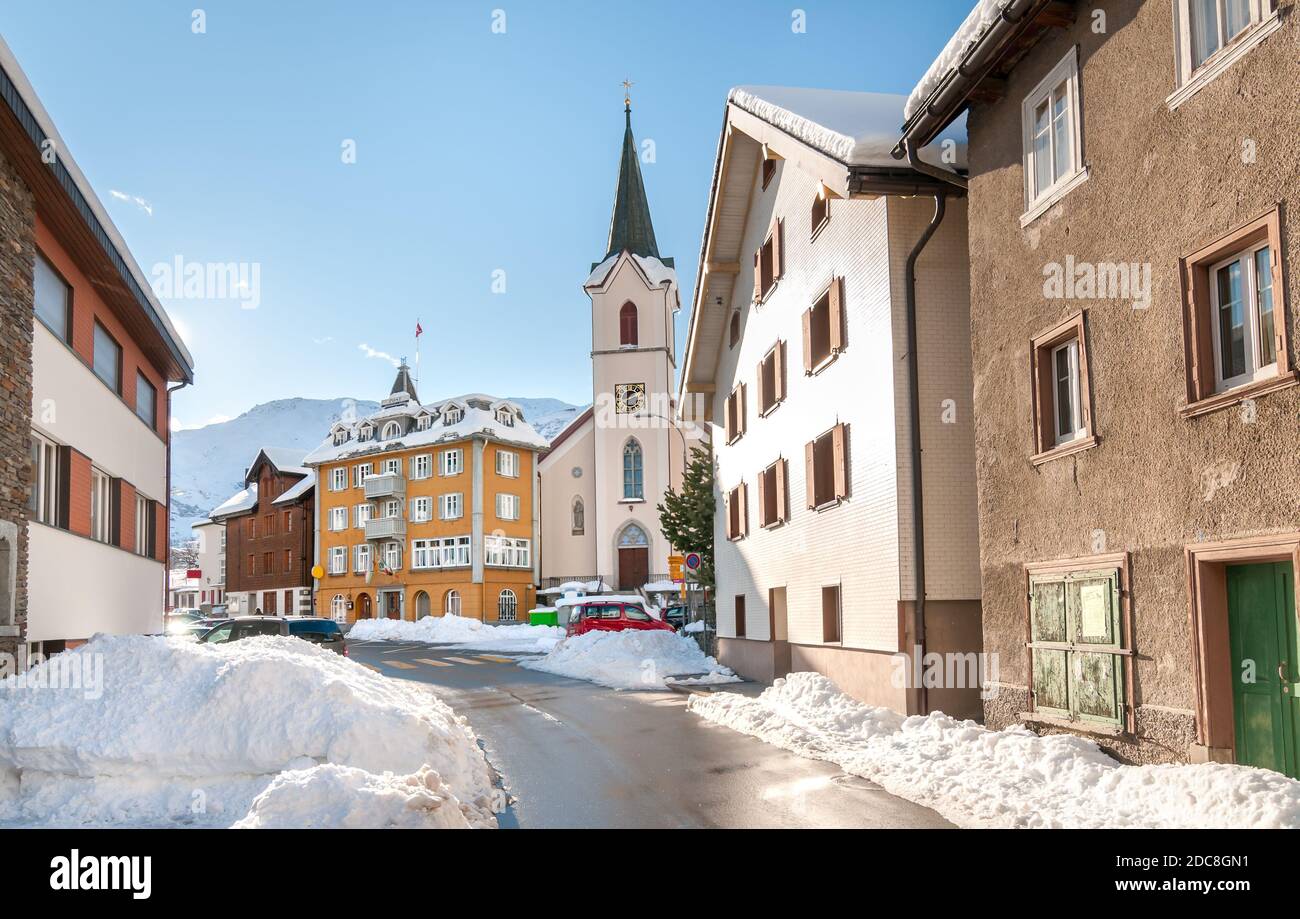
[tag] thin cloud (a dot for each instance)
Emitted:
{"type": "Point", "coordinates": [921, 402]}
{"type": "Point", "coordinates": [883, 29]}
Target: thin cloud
{"type": "Point", "coordinates": [322, 341]}
{"type": "Point", "coordinates": [132, 199]}
{"type": "Point", "coordinates": [382, 355]}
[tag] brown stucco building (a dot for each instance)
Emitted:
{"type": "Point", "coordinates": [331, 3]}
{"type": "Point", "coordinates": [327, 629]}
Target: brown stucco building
{"type": "Point", "coordinates": [1131, 196]}
{"type": "Point", "coordinates": [270, 536]}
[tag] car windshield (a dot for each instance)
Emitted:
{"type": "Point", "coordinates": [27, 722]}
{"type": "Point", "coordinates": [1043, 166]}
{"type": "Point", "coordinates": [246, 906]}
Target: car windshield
{"type": "Point", "coordinates": [220, 634]}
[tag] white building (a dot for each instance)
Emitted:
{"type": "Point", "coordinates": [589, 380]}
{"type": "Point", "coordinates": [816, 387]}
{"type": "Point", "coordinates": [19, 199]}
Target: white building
{"type": "Point", "coordinates": [799, 342]}
{"type": "Point", "coordinates": [609, 469]}
{"type": "Point", "coordinates": [211, 535]}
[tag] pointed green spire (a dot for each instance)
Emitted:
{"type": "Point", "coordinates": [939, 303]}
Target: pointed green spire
{"type": "Point", "coordinates": [630, 227]}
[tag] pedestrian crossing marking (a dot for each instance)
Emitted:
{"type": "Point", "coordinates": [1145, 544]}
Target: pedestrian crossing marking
{"type": "Point", "coordinates": [464, 660]}
{"type": "Point", "coordinates": [496, 658]}
{"type": "Point", "coordinates": [401, 665]}
{"type": "Point", "coordinates": [431, 662]}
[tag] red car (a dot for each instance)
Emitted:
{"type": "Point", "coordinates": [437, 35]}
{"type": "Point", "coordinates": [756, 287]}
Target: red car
{"type": "Point", "coordinates": [599, 615]}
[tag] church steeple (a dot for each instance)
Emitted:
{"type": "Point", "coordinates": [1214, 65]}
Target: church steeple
{"type": "Point", "coordinates": [403, 383]}
{"type": "Point", "coordinates": [630, 227]}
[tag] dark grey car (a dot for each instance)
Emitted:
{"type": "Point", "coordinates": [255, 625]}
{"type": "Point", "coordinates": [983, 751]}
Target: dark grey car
{"type": "Point", "coordinates": [323, 632]}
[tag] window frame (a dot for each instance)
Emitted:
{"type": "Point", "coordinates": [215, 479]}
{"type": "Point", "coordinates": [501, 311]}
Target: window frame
{"type": "Point", "coordinates": [1037, 202]}
{"type": "Point", "coordinates": [833, 442]}
{"type": "Point", "coordinates": [445, 500]}
{"type": "Point", "coordinates": [776, 357]}
{"type": "Point", "coordinates": [629, 328]}
{"type": "Point", "coordinates": [142, 382]}
{"type": "Point", "coordinates": [1190, 78]}
{"type": "Point", "coordinates": [737, 512]}
{"type": "Point", "coordinates": [66, 335]}
{"type": "Point", "coordinates": [1047, 444]}
{"type": "Point", "coordinates": [422, 466]}
{"type": "Point", "coordinates": [360, 550]}
{"type": "Point", "coordinates": [830, 305]}
{"type": "Point", "coordinates": [101, 506]}
{"type": "Point", "coordinates": [417, 515]}
{"type": "Point", "coordinates": [335, 514]}
{"type": "Point", "coordinates": [445, 465]}
{"type": "Point", "coordinates": [507, 463]}
{"type": "Point", "coordinates": [101, 330]}
{"type": "Point", "coordinates": [774, 489]}
{"type": "Point", "coordinates": [339, 478]}
{"type": "Point", "coordinates": [633, 476]}
{"type": "Point", "coordinates": [337, 554]}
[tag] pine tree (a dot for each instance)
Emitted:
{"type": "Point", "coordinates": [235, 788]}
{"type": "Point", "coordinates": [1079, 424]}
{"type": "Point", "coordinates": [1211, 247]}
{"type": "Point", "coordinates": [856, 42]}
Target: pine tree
{"type": "Point", "coordinates": [686, 517]}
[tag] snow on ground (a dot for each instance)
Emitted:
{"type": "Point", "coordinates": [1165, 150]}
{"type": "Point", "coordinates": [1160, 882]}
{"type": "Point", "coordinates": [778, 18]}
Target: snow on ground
{"type": "Point", "coordinates": [266, 731]}
{"type": "Point", "coordinates": [631, 659]}
{"type": "Point", "coordinates": [976, 777]}
{"type": "Point", "coordinates": [460, 631]}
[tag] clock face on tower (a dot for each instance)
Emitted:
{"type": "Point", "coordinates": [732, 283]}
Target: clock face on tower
{"type": "Point", "coordinates": [629, 398]}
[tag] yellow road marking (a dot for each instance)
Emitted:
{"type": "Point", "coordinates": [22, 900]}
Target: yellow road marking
{"type": "Point", "coordinates": [431, 662]}
{"type": "Point", "coordinates": [464, 660]}
{"type": "Point", "coordinates": [496, 659]}
{"type": "Point", "coordinates": [400, 665]}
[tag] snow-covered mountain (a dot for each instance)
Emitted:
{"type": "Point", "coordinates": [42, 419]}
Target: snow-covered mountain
{"type": "Point", "coordinates": [208, 463]}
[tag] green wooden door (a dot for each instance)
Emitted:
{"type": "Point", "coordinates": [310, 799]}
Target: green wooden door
{"type": "Point", "coordinates": [1266, 659]}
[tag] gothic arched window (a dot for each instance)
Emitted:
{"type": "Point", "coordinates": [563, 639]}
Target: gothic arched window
{"type": "Point", "coordinates": [633, 477]}
{"type": "Point", "coordinates": [627, 327]}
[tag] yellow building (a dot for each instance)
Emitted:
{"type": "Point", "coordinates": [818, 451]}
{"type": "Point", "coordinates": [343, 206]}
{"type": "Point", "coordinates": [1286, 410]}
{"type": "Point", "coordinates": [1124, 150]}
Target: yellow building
{"type": "Point", "coordinates": [428, 509]}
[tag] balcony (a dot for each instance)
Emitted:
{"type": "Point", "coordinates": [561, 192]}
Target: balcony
{"type": "Point", "coordinates": [385, 485]}
{"type": "Point", "coordinates": [386, 528]}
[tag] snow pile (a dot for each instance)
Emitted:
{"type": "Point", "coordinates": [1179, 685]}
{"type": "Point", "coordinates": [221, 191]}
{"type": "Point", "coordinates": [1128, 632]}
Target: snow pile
{"type": "Point", "coordinates": [977, 22]}
{"type": "Point", "coordinates": [460, 631]}
{"type": "Point", "coordinates": [981, 778]}
{"type": "Point", "coordinates": [631, 659]}
{"type": "Point", "coordinates": [170, 732]}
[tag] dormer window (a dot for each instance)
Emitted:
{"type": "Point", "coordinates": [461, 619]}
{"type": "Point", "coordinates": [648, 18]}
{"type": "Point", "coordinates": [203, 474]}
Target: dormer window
{"type": "Point", "coordinates": [392, 429]}
{"type": "Point", "coordinates": [452, 416]}
{"type": "Point", "coordinates": [506, 417]}
{"type": "Point", "coordinates": [424, 422]}
{"type": "Point", "coordinates": [365, 433]}
{"type": "Point", "coordinates": [340, 437]}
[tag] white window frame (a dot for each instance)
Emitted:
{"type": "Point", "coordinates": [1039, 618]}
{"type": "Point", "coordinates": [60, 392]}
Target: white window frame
{"type": "Point", "coordinates": [392, 465]}
{"type": "Point", "coordinates": [1250, 307]}
{"type": "Point", "coordinates": [451, 606]}
{"type": "Point", "coordinates": [424, 422]}
{"type": "Point", "coordinates": [392, 509]}
{"type": "Point", "coordinates": [100, 506]}
{"type": "Point", "coordinates": [508, 463]}
{"type": "Point", "coordinates": [1191, 77]}
{"type": "Point", "coordinates": [339, 608]}
{"type": "Point", "coordinates": [508, 506]}
{"type": "Point", "coordinates": [141, 525]}
{"type": "Point", "coordinates": [339, 478]}
{"type": "Point", "coordinates": [421, 509]}
{"type": "Point", "coordinates": [1067, 72]}
{"type": "Point", "coordinates": [451, 506]}
{"type": "Point", "coordinates": [360, 473]}
{"type": "Point", "coordinates": [338, 560]}
{"type": "Point", "coordinates": [359, 552]}
{"type": "Point", "coordinates": [422, 466]}
{"type": "Point", "coordinates": [45, 486]}
{"type": "Point", "coordinates": [506, 417]}
{"type": "Point", "coordinates": [507, 605]}
{"type": "Point", "coordinates": [393, 556]}
{"type": "Point", "coordinates": [392, 430]}
{"type": "Point", "coordinates": [361, 513]}
{"type": "Point", "coordinates": [452, 416]}
{"type": "Point", "coordinates": [424, 554]}
{"type": "Point", "coordinates": [1078, 429]}
{"type": "Point", "coordinates": [338, 519]}
{"type": "Point", "coordinates": [451, 462]}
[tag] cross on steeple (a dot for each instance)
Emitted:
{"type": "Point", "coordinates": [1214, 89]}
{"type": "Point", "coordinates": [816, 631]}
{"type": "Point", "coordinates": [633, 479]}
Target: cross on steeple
{"type": "Point", "coordinates": [627, 93]}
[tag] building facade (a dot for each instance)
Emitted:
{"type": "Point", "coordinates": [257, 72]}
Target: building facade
{"type": "Point", "coordinates": [270, 536]}
{"type": "Point", "coordinates": [799, 344]}
{"type": "Point", "coordinates": [607, 472]}
{"type": "Point", "coordinates": [428, 510]}
{"type": "Point", "coordinates": [211, 535]}
{"type": "Point", "coordinates": [1134, 361]}
{"type": "Point", "coordinates": [91, 352]}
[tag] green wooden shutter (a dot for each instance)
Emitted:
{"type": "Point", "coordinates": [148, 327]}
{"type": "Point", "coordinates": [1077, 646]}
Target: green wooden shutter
{"type": "Point", "coordinates": [1096, 677]}
{"type": "Point", "coordinates": [1047, 618]}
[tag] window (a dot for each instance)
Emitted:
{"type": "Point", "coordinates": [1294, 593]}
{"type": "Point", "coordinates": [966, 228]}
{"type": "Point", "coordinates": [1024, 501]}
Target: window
{"type": "Point", "coordinates": [269, 522]}
{"type": "Point", "coordinates": [338, 518]}
{"type": "Point", "coordinates": [823, 328]}
{"type": "Point", "coordinates": [821, 210]}
{"type": "Point", "coordinates": [392, 555]}
{"type": "Point", "coordinates": [451, 604]}
{"type": "Point", "coordinates": [53, 299]}
{"type": "Point", "coordinates": [451, 462]}
{"type": "Point", "coordinates": [449, 552]}
{"type": "Point", "coordinates": [827, 467]}
{"type": "Point", "coordinates": [100, 507]}
{"type": "Point", "coordinates": [252, 527]}
{"type": "Point", "coordinates": [831, 614]}
{"type": "Point", "coordinates": [769, 261]}
{"type": "Point", "coordinates": [1212, 34]}
{"type": "Point", "coordinates": [424, 553]}
{"type": "Point", "coordinates": [288, 521]}
{"type": "Point", "coordinates": [391, 466]}
{"type": "Point", "coordinates": [252, 564]}
{"type": "Point", "coordinates": [144, 526]}
{"type": "Point", "coordinates": [451, 506]}
{"type": "Point", "coordinates": [421, 509]}
{"type": "Point", "coordinates": [338, 478]}
{"type": "Point", "coordinates": [146, 400]}
{"type": "Point", "coordinates": [772, 490]}
{"type": "Point", "coordinates": [392, 508]}
{"type": "Point", "coordinates": [1061, 392]}
{"type": "Point", "coordinates": [507, 605]}
{"type": "Point", "coordinates": [508, 463]}
{"type": "Point", "coordinates": [339, 608]}
{"type": "Point", "coordinates": [452, 416]}
{"type": "Point", "coordinates": [340, 437]}
{"type": "Point", "coordinates": [268, 563]}
{"type": "Point", "coordinates": [738, 511]}
{"type": "Point", "coordinates": [505, 552]}
{"type": "Point", "coordinates": [361, 558]}
{"type": "Point", "coordinates": [338, 560]}
{"type": "Point", "coordinates": [506, 417]}
{"type": "Point", "coordinates": [633, 473]}
{"type": "Point", "coordinates": [288, 561]}
{"type": "Point", "coordinates": [733, 330]}
{"type": "Point", "coordinates": [508, 507]}
{"type": "Point", "coordinates": [108, 359]}
{"type": "Point", "coordinates": [365, 432]}
{"type": "Point", "coordinates": [1076, 646]}
{"type": "Point", "coordinates": [579, 517]}
{"type": "Point", "coordinates": [392, 429]}
{"type": "Point", "coordinates": [360, 473]}
{"type": "Point", "coordinates": [740, 615]}
{"type": "Point", "coordinates": [1053, 145]}
{"type": "Point", "coordinates": [47, 476]}
{"type": "Point", "coordinates": [734, 422]}
{"type": "Point", "coordinates": [362, 513]}
{"type": "Point", "coordinates": [627, 325]}
{"type": "Point", "coordinates": [771, 379]}
{"type": "Point", "coordinates": [422, 466]}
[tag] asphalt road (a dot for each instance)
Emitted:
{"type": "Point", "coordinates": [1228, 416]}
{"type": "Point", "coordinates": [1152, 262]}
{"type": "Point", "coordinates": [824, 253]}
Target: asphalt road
{"type": "Point", "coordinates": [573, 754]}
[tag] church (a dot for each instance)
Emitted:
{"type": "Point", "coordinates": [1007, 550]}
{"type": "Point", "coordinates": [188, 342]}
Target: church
{"type": "Point", "coordinates": [607, 472]}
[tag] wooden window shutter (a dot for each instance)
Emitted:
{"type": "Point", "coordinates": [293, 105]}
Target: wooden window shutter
{"type": "Point", "coordinates": [836, 317]}
{"type": "Point", "coordinates": [743, 516]}
{"type": "Point", "coordinates": [782, 510]}
{"type": "Point", "coordinates": [115, 511]}
{"type": "Point", "coordinates": [728, 416]}
{"type": "Point", "coordinates": [840, 442]}
{"type": "Point", "coordinates": [778, 360]}
{"type": "Point", "coordinates": [726, 512]}
{"type": "Point", "coordinates": [762, 396]}
{"type": "Point", "coordinates": [810, 473]}
{"type": "Point", "coordinates": [762, 503]}
{"type": "Point", "coordinates": [742, 414]}
{"type": "Point", "coordinates": [758, 274]}
{"type": "Point", "coordinates": [807, 341]}
{"type": "Point", "coordinates": [64, 485]}
{"type": "Point", "coordinates": [778, 249]}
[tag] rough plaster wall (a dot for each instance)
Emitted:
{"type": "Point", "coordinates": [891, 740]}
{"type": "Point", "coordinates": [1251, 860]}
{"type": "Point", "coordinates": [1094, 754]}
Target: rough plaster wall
{"type": "Point", "coordinates": [1162, 184]}
{"type": "Point", "coordinates": [856, 542]}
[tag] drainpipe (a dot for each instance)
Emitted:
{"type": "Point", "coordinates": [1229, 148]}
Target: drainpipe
{"type": "Point", "coordinates": [167, 536]}
{"type": "Point", "coordinates": [914, 437]}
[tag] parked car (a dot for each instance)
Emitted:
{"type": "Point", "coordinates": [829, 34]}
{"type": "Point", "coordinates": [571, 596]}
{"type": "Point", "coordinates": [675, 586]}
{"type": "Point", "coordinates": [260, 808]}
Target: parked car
{"type": "Point", "coordinates": [181, 621]}
{"type": "Point", "coordinates": [599, 615]}
{"type": "Point", "coordinates": [323, 632]}
{"type": "Point", "coordinates": [675, 615]}
{"type": "Point", "coordinates": [201, 627]}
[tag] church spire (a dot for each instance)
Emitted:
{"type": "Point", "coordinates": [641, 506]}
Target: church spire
{"type": "Point", "coordinates": [403, 383]}
{"type": "Point", "coordinates": [630, 226]}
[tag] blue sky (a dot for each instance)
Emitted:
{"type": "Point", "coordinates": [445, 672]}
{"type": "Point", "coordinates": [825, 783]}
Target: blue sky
{"type": "Point", "coordinates": [475, 152]}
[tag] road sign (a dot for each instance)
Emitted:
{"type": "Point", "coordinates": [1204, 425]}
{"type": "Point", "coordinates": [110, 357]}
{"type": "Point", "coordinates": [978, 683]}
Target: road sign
{"type": "Point", "coordinates": [675, 568]}
{"type": "Point", "coordinates": [317, 572]}
{"type": "Point", "coordinates": [693, 561]}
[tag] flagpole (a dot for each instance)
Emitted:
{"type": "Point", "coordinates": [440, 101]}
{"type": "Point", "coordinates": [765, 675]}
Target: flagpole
{"type": "Point", "coordinates": [418, 329]}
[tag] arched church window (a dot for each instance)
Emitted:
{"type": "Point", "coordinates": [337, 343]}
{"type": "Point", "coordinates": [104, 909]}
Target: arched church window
{"type": "Point", "coordinates": [579, 517]}
{"type": "Point", "coordinates": [633, 477]}
{"type": "Point", "coordinates": [627, 325]}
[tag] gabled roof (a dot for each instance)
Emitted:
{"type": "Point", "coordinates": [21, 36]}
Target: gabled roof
{"type": "Point", "coordinates": [630, 228]}
{"type": "Point", "coordinates": [299, 490]}
{"type": "Point", "coordinates": [285, 460]}
{"type": "Point", "coordinates": [238, 503]}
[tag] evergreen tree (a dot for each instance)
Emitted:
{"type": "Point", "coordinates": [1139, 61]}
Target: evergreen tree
{"type": "Point", "coordinates": [686, 517]}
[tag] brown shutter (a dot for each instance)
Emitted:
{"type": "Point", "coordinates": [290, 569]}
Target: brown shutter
{"type": "Point", "coordinates": [744, 509]}
{"type": "Point", "coordinates": [726, 510]}
{"type": "Point", "coordinates": [762, 503]}
{"type": "Point", "coordinates": [758, 274]}
{"type": "Point", "coordinates": [778, 371]}
{"type": "Point", "coordinates": [810, 473]}
{"type": "Point", "coordinates": [839, 436]}
{"type": "Point", "coordinates": [782, 511]}
{"type": "Point", "coordinates": [742, 413]}
{"type": "Point", "coordinates": [64, 485]}
{"type": "Point", "coordinates": [115, 511]}
{"type": "Point", "coordinates": [778, 249]}
{"type": "Point", "coordinates": [836, 316]}
{"type": "Point", "coordinates": [728, 415]}
{"type": "Point", "coordinates": [807, 341]}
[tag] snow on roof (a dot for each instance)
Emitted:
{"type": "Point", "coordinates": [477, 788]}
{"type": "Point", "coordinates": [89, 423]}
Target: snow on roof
{"type": "Point", "coordinates": [854, 128]}
{"type": "Point", "coordinates": [306, 484]}
{"type": "Point", "coordinates": [977, 22]}
{"type": "Point", "coordinates": [479, 417]}
{"type": "Point", "coordinates": [656, 272]}
{"type": "Point", "coordinates": [285, 459]}
{"type": "Point", "coordinates": [237, 503]}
